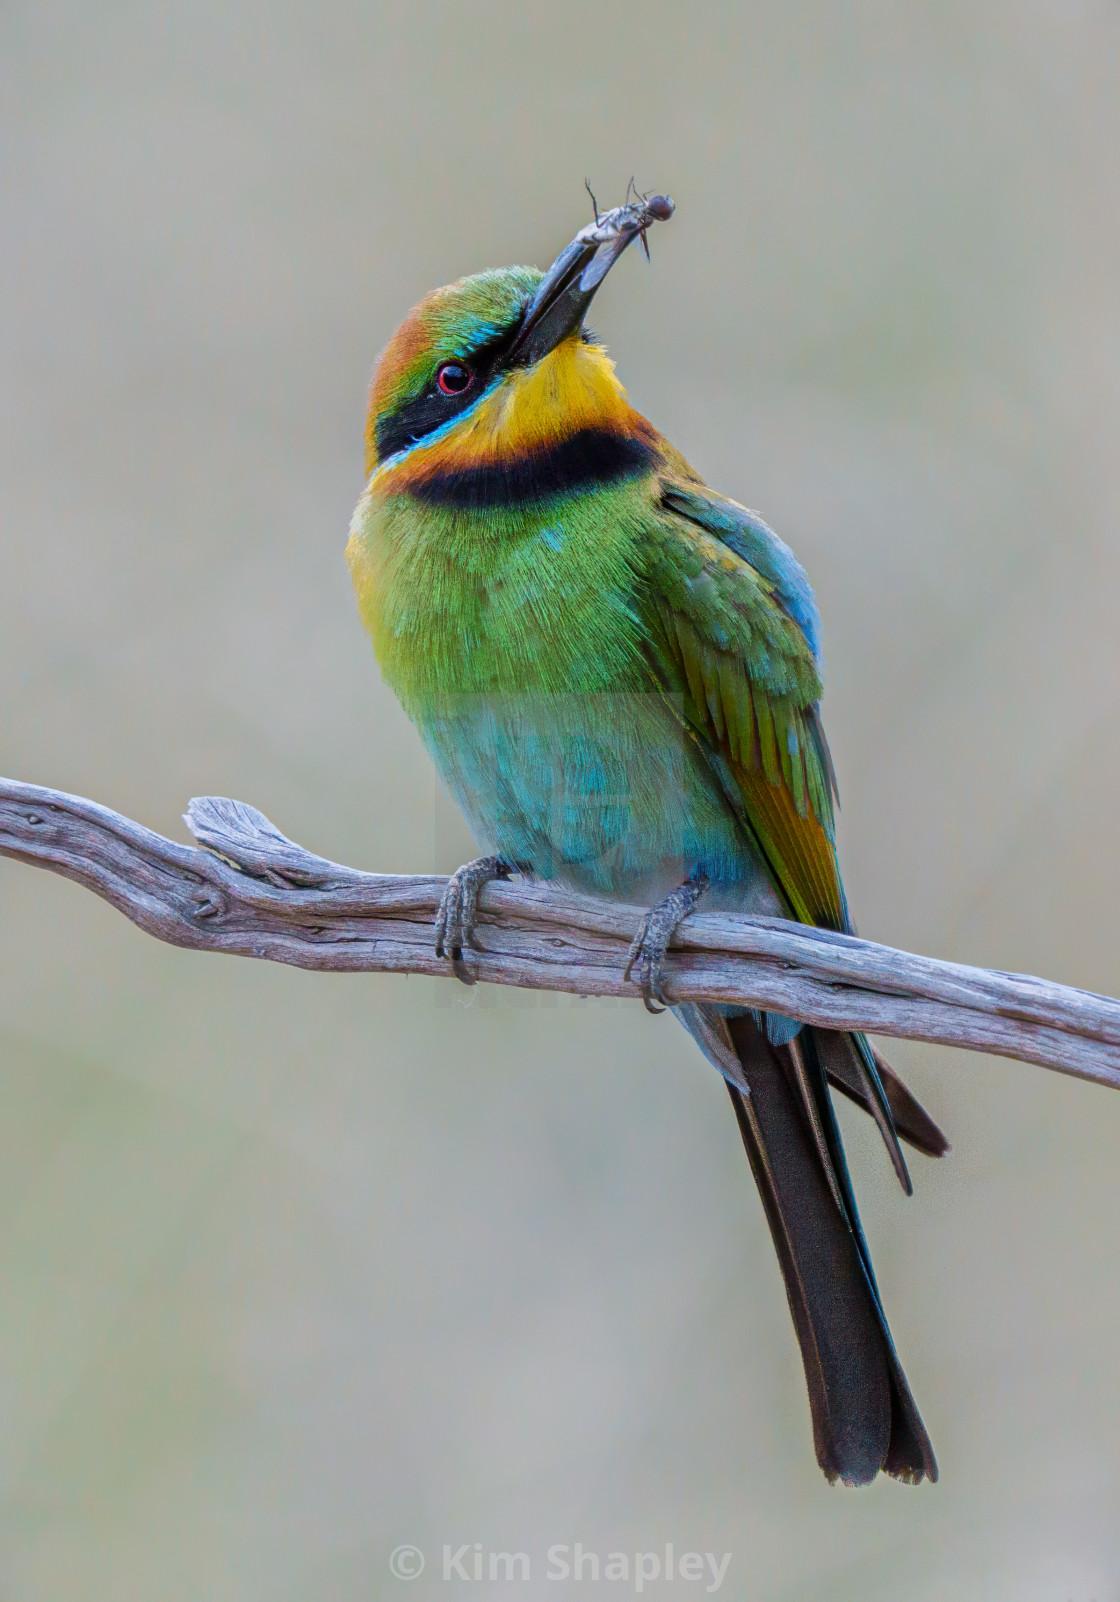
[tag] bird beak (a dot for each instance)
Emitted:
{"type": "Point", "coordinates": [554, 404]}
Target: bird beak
{"type": "Point", "coordinates": [568, 287]}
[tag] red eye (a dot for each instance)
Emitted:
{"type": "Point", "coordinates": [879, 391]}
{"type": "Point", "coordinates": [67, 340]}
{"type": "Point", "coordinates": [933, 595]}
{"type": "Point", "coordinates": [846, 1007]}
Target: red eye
{"type": "Point", "coordinates": [453, 378]}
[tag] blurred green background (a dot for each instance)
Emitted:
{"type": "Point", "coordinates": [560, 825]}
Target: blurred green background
{"type": "Point", "coordinates": [295, 1268]}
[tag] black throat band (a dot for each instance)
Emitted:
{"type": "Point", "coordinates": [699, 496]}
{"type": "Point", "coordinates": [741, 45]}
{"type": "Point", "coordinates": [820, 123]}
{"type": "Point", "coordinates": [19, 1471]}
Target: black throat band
{"type": "Point", "coordinates": [589, 459]}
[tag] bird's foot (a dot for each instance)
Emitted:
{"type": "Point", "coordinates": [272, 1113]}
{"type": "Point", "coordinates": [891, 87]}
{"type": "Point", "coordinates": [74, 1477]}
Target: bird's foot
{"type": "Point", "coordinates": [458, 909]}
{"type": "Point", "coordinates": [648, 948]}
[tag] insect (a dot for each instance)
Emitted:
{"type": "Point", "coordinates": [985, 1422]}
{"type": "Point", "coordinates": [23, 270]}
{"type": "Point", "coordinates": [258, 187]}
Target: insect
{"type": "Point", "coordinates": [632, 217]}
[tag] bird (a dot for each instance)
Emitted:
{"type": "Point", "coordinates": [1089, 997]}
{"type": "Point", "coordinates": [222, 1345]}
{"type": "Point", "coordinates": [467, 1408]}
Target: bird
{"type": "Point", "coordinates": [617, 672]}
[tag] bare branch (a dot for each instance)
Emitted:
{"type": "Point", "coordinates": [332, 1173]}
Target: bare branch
{"type": "Point", "coordinates": [253, 892]}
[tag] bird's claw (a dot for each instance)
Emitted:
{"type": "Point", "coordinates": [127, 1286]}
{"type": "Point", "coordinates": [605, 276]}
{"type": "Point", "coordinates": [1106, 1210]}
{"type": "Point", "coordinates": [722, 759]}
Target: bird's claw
{"type": "Point", "coordinates": [458, 909]}
{"type": "Point", "coordinates": [649, 945]}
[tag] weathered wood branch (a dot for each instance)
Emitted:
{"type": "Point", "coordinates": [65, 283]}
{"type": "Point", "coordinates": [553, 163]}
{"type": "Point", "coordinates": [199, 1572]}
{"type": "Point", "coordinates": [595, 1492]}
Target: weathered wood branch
{"type": "Point", "coordinates": [253, 892]}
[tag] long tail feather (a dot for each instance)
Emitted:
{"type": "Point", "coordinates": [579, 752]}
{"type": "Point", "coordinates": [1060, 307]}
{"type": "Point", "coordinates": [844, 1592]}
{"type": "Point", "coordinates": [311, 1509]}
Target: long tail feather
{"type": "Point", "coordinates": [913, 1123]}
{"type": "Point", "coordinates": [795, 1055]}
{"type": "Point", "coordinates": [854, 1059]}
{"type": "Point", "coordinates": [864, 1418]}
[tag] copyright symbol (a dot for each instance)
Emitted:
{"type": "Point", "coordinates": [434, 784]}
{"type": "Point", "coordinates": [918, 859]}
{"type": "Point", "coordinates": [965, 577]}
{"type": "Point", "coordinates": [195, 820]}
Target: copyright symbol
{"type": "Point", "coordinates": [406, 1562]}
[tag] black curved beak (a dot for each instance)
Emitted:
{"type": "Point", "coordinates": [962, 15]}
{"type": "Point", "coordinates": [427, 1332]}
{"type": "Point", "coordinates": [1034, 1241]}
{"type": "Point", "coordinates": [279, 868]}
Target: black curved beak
{"type": "Point", "coordinates": [568, 288]}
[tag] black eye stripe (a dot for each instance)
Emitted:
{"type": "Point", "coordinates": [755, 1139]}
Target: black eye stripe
{"type": "Point", "coordinates": [423, 416]}
{"type": "Point", "coordinates": [429, 411]}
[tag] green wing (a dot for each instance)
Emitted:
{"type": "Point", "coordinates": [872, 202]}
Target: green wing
{"type": "Point", "coordinates": [721, 601]}
{"type": "Point", "coordinates": [734, 639]}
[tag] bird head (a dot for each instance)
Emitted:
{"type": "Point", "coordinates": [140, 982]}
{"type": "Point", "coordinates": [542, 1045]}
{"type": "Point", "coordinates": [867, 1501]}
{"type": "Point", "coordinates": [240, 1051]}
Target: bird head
{"type": "Point", "coordinates": [496, 369]}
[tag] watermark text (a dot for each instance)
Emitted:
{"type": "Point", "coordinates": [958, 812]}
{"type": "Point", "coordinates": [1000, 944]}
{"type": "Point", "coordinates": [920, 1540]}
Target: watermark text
{"type": "Point", "coordinates": [571, 1561]}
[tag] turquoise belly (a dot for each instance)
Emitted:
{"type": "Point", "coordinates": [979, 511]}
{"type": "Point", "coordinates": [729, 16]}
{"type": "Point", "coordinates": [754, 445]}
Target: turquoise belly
{"type": "Point", "coordinates": [606, 793]}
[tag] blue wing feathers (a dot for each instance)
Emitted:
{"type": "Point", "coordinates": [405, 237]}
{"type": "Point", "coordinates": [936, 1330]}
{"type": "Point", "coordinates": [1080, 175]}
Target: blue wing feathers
{"type": "Point", "coordinates": [748, 536]}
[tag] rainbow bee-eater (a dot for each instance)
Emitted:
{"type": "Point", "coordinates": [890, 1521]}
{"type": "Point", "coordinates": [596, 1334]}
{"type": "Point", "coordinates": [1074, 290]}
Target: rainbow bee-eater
{"type": "Point", "coordinates": [617, 672]}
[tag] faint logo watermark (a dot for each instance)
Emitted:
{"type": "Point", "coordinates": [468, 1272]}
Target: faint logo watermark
{"type": "Point", "coordinates": [406, 1562]}
{"type": "Point", "coordinates": [573, 789]}
{"type": "Point", "coordinates": [567, 781]}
